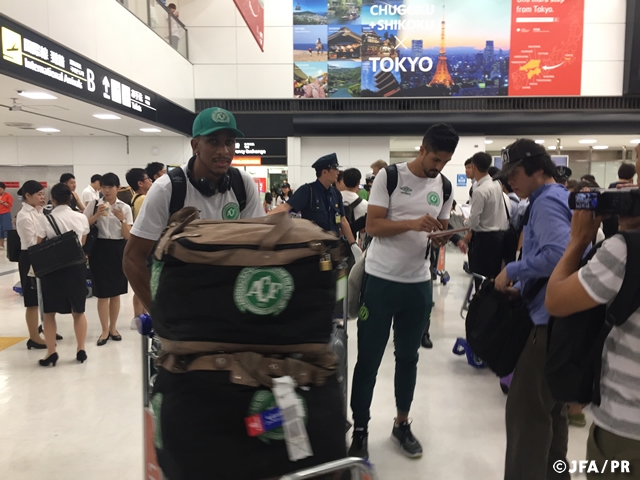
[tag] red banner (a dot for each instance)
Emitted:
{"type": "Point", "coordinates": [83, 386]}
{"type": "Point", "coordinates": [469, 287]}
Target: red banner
{"type": "Point", "coordinates": [261, 183]}
{"type": "Point", "coordinates": [252, 12]}
{"type": "Point", "coordinates": [546, 48]}
{"type": "Point", "coordinates": [12, 184]}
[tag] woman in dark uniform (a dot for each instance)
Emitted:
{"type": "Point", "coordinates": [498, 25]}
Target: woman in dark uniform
{"type": "Point", "coordinates": [114, 220]}
{"type": "Point", "coordinates": [65, 290]}
{"type": "Point", "coordinates": [33, 200]}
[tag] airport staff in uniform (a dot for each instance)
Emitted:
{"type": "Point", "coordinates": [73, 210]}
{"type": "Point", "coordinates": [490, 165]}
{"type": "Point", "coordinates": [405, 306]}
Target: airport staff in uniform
{"type": "Point", "coordinates": [321, 202]}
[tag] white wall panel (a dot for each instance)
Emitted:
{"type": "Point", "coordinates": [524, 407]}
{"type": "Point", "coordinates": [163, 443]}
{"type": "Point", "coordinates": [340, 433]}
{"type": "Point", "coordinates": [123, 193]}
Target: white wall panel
{"type": "Point", "coordinates": [51, 150]}
{"type": "Point", "coordinates": [595, 49]}
{"type": "Point", "coordinates": [278, 45]}
{"type": "Point", "coordinates": [103, 151]}
{"type": "Point", "coordinates": [205, 45]}
{"type": "Point", "coordinates": [74, 23]}
{"type": "Point", "coordinates": [265, 81]}
{"type": "Point", "coordinates": [602, 78]}
{"type": "Point", "coordinates": [33, 13]}
{"type": "Point", "coordinates": [207, 13]}
{"type": "Point", "coordinates": [216, 81]}
{"type": "Point", "coordinates": [609, 11]}
{"type": "Point", "coordinates": [274, 13]}
{"type": "Point", "coordinates": [8, 151]}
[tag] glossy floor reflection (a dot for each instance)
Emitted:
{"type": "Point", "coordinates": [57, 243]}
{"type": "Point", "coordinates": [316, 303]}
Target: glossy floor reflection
{"type": "Point", "coordinates": [85, 421]}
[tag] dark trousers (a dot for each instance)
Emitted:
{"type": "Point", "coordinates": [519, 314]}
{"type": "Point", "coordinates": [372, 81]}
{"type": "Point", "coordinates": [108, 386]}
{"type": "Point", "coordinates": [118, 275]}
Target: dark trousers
{"type": "Point", "coordinates": [537, 429]}
{"type": "Point", "coordinates": [406, 305]}
{"type": "Point", "coordinates": [485, 253]}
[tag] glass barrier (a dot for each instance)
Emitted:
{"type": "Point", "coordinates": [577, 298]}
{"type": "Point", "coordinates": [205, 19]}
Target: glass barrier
{"type": "Point", "coordinates": [161, 20]}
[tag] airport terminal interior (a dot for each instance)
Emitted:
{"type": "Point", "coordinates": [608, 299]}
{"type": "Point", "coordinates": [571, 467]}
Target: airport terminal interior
{"type": "Point", "coordinates": [106, 86]}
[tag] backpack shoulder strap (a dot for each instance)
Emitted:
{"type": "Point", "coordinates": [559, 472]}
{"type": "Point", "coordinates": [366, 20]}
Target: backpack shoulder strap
{"type": "Point", "coordinates": [446, 188]}
{"type": "Point", "coordinates": [392, 178]}
{"type": "Point", "coordinates": [178, 189]}
{"type": "Point", "coordinates": [133, 200]}
{"type": "Point", "coordinates": [237, 185]}
{"type": "Point", "coordinates": [356, 203]}
{"type": "Point", "coordinates": [627, 301]}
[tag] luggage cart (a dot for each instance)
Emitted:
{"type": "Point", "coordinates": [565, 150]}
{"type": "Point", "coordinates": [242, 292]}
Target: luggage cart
{"type": "Point", "coordinates": [358, 466]}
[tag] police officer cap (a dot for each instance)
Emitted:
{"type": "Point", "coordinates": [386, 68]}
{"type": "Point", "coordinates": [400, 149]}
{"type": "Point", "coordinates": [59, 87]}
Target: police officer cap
{"type": "Point", "coordinates": [564, 172]}
{"type": "Point", "coordinates": [327, 162]}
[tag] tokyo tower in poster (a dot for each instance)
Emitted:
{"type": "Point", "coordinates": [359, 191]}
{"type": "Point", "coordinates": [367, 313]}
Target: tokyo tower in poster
{"type": "Point", "coordinates": [442, 76]}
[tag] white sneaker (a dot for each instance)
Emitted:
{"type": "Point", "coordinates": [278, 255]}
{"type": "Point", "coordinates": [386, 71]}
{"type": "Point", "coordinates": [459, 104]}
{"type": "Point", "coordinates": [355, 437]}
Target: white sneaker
{"type": "Point", "coordinates": [134, 325]}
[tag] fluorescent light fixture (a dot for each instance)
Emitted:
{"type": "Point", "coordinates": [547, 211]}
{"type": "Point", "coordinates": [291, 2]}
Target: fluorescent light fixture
{"type": "Point", "coordinates": [636, 141]}
{"type": "Point", "coordinates": [587, 141]}
{"type": "Point", "coordinates": [540, 142]}
{"type": "Point", "coordinates": [417, 148]}
{"type": "Point", "coordinates": [156, 130]}
{"type": "Point", "coordinates": [106, 116]}
{"type": "Point", "coordinates": [37, 95]}
{"type": "Point", "coordinates": [47, 130]}
{"type": "Point", "coordinates": [488, 142]}
{"type": "Point", "coordinates": [600, 147]}
{"type": "Point", "coordinates": [551, 147]}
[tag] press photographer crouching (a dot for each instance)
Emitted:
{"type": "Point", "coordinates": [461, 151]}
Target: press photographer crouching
{"type": "Point", "coordinates": [600, 296]}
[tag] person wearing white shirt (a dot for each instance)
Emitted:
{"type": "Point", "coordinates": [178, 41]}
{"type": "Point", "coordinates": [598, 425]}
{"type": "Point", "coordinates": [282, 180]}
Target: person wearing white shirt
{"type": "Point", "coordinates": [208, 188]}
{"type": "Point", "coordinates": [488, 220]}
{"type": "Point", "coordinates": [92, 192]}
{"type": "Point", "coordinates": [351, 179]}
{"type": "Point", "coordinates": [33, 200]}
{"type": "Point", "coordinates": [65, 290]}
{"type": "Point", "coordinates": [286, 194]}
{"type": "Point", "coordinates": [396, 285]}
{"type": "Point", "coordinates": [114, 220]}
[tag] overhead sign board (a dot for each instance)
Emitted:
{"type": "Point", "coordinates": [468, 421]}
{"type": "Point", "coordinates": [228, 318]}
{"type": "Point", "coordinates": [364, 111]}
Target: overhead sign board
{"type": "Point", "coordinates": [36, 59]}
{"type": "Point", "coordinates": [260, 151]}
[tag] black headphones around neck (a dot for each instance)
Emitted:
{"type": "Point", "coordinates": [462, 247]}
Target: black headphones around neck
{"type": "Point", "coordinates": [205, 186]}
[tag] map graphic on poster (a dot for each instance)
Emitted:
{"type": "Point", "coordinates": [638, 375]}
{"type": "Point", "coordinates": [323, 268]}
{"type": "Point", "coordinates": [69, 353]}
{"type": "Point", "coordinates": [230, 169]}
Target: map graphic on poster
{"type": "Point", "coordinates": [421, 48]}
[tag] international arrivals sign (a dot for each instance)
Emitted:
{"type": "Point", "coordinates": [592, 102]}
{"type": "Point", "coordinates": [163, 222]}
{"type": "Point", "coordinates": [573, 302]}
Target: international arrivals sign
{"type": "Point", "coordinates": [34, 58]}
{"type": "Point", "coordinates": [421, 48]}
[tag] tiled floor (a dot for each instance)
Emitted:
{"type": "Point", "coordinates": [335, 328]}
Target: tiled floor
{"type": "Point", "coordinates": [85, 421]}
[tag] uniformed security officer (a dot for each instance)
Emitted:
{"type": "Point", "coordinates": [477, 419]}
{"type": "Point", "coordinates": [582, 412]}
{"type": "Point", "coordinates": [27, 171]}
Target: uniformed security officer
{"type": "Point", "coordinates": [321, 202]}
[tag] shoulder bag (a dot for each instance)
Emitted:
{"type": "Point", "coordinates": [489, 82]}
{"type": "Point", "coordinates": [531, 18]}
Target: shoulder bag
{"type": "Point", "coordinates": [63, 250]}
{"type": "Point", "coordinates": [92, 236]}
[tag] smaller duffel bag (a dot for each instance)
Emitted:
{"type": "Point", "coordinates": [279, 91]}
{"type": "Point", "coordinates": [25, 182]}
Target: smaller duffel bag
{"type": "Point", "coordinates": [262, 281]}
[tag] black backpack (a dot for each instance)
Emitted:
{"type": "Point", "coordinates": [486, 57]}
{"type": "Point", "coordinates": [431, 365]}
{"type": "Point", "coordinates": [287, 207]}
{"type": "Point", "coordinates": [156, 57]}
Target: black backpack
{"type": "Point", "coordinates": [392, 182]}
{"type": "Point", "coordinates": [179, 188]}
{"type": "Point", "coordinates": [350, 215]}
{"type": "Point", "coordinates": [574, 343]}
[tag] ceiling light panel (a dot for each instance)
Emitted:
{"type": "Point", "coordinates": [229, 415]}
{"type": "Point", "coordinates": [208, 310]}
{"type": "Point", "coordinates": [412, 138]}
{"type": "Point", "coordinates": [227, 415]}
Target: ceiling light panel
{"type": "Point", "coordinates": [37, 95]}
{"type": "Point", "coordinates": [47, 130]}
{"type": "Point", "coordinates": [106, 116]}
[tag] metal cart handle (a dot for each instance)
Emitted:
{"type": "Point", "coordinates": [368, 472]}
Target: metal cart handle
{"type": "Point", "coordinates": [359, 464]}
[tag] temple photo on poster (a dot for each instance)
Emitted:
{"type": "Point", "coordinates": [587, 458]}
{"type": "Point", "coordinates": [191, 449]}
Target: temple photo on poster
{"type": "Point", "coordinates": [310, 12]}
{"type": "Point", "coordinates": [378, 83]}
{"type": "Point", "coordinates": [344, 79]}
{"type": "Point", "coordinates": [310, 43]}
{"type": "Point", "coordinates": [378, 43]}
{"type": "Point", "coordinates": [310, 80]}
{"type": "Point", "coordinates": [344, 12]}
{"type": "Point", "coordinates": [345, 42]}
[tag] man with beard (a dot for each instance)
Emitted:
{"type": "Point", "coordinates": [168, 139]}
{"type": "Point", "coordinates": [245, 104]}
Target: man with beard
{"type": "Point", "coordinates": [217, 190]}
{"type": "Point", "coordinates": [397, 279]}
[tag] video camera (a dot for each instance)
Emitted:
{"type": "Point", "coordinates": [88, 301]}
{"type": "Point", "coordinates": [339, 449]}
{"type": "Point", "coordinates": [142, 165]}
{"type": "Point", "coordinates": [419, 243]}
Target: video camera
{"type": "Point", "coordinates": [623, 202]}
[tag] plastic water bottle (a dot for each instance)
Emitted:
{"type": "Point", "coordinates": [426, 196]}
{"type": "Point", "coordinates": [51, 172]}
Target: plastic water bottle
{"type": "Point", "coordinates": [144, 324]}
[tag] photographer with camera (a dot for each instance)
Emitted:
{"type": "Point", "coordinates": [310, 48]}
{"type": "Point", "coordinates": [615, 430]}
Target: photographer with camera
{"type": "Point", "coordinates": [615, 433]}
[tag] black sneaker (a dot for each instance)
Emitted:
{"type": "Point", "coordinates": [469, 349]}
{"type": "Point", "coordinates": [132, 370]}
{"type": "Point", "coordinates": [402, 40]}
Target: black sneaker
{"type": "Point", "coordinates": [409, 445]}
{"type": "Point", "coordinates": [360, 445]}
{"type": "Point", "coordinates": [426, 341]}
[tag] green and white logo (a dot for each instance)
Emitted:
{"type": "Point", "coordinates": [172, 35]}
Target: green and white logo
{"type": "Point", "coordinates": [264, 400]}
{"type": "Point", "coordinates": [231, 211]}
{"type": "Point", "coordinates": [156, 270]}
{"type": "Point", "coordinates": [405, 190]}
{"type": "Point", "coordinates": [263, 291]}
{"type": "Point", "coordinates": [433, 198]}
{"type": "Point", "coordinates": [363, 314]}
{"type": "Point", "coordinates": [220, 116]}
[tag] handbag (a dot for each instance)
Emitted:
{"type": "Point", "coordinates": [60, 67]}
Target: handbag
{"type": "Point", "coordinates": [92, 236]}
{"type": "Point", "coordinates": [497, 327]}
{"type": "Point", "coordinates": [63, 250]}
{"type": "Point", "coordinates": [13, 245]}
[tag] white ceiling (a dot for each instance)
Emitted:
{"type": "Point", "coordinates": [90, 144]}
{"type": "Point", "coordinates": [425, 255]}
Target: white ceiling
{"type": "Point", "coordinates": [568, 142]}
{"type": "Point", "coordinates": [72, 117]}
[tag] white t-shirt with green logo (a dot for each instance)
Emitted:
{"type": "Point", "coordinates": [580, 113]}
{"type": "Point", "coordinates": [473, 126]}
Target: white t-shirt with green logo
{"type": "Point", "coordinates": [154, 214]}
{"type": "Point", "coordinates": [401, 258]}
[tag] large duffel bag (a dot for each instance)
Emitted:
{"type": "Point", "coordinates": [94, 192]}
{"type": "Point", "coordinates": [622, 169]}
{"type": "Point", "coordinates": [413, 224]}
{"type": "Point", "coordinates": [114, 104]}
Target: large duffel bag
{"type": "Point", "coordinates": [257, 281]}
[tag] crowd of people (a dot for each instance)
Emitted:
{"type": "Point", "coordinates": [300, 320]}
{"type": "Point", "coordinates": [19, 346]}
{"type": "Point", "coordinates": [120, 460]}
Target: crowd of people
{"type": "Point", "coordinates": [520, 230]}
{"type": "Point", "coordinates": [65, 290]}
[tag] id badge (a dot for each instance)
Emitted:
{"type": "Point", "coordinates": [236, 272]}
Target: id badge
{"type": "Point", "coordinates": [338, 218]}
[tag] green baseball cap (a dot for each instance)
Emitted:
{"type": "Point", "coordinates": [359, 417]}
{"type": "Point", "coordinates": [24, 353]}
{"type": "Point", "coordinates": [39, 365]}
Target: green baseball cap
{"type": "Point", "coordinates": [214, 119]}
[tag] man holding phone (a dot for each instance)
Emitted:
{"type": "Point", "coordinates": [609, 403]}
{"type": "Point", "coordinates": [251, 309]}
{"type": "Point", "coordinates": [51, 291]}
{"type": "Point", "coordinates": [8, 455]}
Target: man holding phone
{"type": "Point", "coordinates": [396, 287]}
